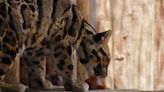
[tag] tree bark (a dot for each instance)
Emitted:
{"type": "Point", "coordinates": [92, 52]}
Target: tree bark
{"type": "Point", "coordinates": [84, 7]}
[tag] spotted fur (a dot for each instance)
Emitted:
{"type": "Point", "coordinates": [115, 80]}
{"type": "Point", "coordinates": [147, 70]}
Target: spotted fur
{"type": "Point", "coordinates": [34, 29]}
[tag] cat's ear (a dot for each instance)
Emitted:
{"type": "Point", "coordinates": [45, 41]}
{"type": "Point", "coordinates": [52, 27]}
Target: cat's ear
{"type": "Point", "coordinates": [75, 21]}
{"type": "Point", "coordinates": [102, 37]}
{"type": "Point", "coordinates": [88, 28]}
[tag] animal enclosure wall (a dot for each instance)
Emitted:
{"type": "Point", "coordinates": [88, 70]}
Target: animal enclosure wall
{"type": "Point", "coordinates": [137, 41]}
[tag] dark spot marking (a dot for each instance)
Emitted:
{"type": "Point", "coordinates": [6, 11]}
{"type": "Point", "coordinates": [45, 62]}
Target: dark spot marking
{"type": "Point", "coordinates": [62, 48]}
{"type": "Point", "coordinates": [69, 50]}
{"type": "Point", "coordinates": [25, 58]}
{"type": "Point", "coordinates": [91, 42]}
{"type": "Point", "coordinates": [30, 49]}
{"type": "Point", "coordinates": [9, 39]}
{"type": "Point", "coordinates": [102, 51]}
{"type": "Point", "coordinates": [39, 82]}
{"type": "Point", "coordinates": [24, 25]}
{"type": "Point", "coordinates": [35, 62]}
{"type": "Point", "coordinates": [59, 47]}
{"type": "Point", "coordinates": [65, 32]}
{"type": "Point", "coordinates": [60, 66]}
{"type": "Point", "coordinates": [84, 48]}
{"type": "Point", "coordinates": [32, 71]}
{"type": "Point", "coordinates": [33, 40]}
{"type": "Point", "coordinates": [64, 56]}
{"type": "Point", "coordinates": [3, 9]}
{"type": "Point", "coordinates": [62, 62]}
{"type": "Point", "coordinates": [29, 53]}
{"type": "Point", "coordinates": [2, 72]}
{"type": "Point", "coordinates": [32, 8]}
{"type": "Point", "coordinates": [11, 21]}
{"type": "Point", "coordinates": [2, 26]}
{"type": "Point", "coordinates": [98, 70]}
{"type": "Point", "coordinates": [70, 67]}
{"type": "Point", "coordinates": [57, 54]}
{"type": "Point", "coordinates": [9, 1]}
{"type": "Point", "coordinates": [84, 61]}
{"type": "Point", "coordinates": [40, 7]}
{"type": "Point", "coordinates": [6, 60]}
{"type": "Point", "coordinates": [95, 53]}
{"type": "Point", "coordinates": [54, 9]}
{"type": "Point", "coordinates": [23, 10]}
{"type": "Point", "coordinates": [12, 53]}
{"type": "Point", "coordinates": [91, 56]}
{"type": "Point", "coordinates": [18, 4]}
{"type": "Point", "coordinates": [40, 52]}
{"type": "Point", "coordinates": [73, 31]}
{"type": "Point", "coordinates": [45, 41]}
{"type": "Point", "coordinates": [82, 52]}
{"type": "Point", "coordinates": [58, 38]}
{"type": "Point", "coordinates": [33, 15]}
{"type": "Point", "coordinates": [48, 46]}
{"type": "Point", "coordinates": [29, 1]}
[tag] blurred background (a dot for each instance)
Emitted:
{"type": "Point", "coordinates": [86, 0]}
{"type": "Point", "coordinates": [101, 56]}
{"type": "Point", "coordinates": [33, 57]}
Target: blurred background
{"type": "Point", "coordinates": [137, 42]}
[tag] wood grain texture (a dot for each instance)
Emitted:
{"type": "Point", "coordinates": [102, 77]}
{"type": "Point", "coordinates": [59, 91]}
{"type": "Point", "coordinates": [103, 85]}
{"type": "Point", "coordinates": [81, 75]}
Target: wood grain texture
{"type": "Point", "coordinates": [138, 44]}
{"type": "Point", "coordinates": [103, 15]}
{"type": "Point", "coordinates": [133, 27]}
{"type": "Point", "coordinates": [159, 44]}
{"type": "Point", "coordinates": [84, 7]}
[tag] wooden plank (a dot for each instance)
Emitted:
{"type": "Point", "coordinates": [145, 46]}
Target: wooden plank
{"type": "Point", "coordinates": [84, 7]}
{"type": "Point", "coordinates": [133, 26]}
{"type": "Point", "coordinates": [159, 44]}
{"type": "Point", "coordinates": [103, 15]}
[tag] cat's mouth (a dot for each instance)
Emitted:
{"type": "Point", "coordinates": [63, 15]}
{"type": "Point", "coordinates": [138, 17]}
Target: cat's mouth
{"type": "Point", "coordinates": [96, 82]}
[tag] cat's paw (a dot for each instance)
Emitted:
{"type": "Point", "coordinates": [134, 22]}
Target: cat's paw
{"type": "Point", "coordinates": [80, 87]}
{"type": "Point", "coordinates": [13, 87]}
